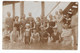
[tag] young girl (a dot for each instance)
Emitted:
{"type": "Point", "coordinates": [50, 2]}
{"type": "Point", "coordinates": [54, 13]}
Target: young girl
{"type": "Point", "coordinates": [14, 35]}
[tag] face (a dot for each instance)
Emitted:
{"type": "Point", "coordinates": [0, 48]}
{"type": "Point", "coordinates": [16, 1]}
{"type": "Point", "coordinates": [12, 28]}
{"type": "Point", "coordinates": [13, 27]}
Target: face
{"type": "Point", "coordinates": [8, 13]}
{"type": "Point", "coordinates": [56, 12]}
{"type": "Point", "coordinates": [23, 17]}
{"type": "Point", "coordinates": [30, 14]}
{"type": "Point", "coordinates": [50, 16]}
{"type": "Point", "coordinates": [34, 31]}
{"type": "Point", "coordinates": [16, 18]}
{"type": "Point", "coordinates": [60, 10]}
{"type": "Point", "coordinates": [27, 27]}
{"type": "Point", "coordinates": [55, 30]}
{"type": "Point", "coordinates": [67, 16]}
{"type": "Point", "coordinates": [66, 26]}
{"type": "Point", "coordinates": [38, 19]}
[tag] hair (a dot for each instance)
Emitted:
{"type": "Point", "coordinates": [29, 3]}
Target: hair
{"type": "Point", "coordinates": [61, 10]}
{"type": "Point", "coordinates": [8, 13]}
{"type": "Point", "coordinates": [17, 17]}
{"type": "Point", "coordinates": [29, 14]}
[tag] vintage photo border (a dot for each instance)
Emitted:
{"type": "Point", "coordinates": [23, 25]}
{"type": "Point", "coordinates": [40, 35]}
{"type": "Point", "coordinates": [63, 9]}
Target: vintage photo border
{"type": "Point", "coordinates": [39, 51]}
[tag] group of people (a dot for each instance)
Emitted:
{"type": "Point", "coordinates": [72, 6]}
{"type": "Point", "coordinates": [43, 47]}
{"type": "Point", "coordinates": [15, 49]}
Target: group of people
{"type": "Point", "coordinates": [29, 30]}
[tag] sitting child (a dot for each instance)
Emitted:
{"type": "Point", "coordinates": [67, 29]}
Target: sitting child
{"type": "Point", "coordinates": [14, 35]}
{"type": "Point", "coordinates": [35, 38]}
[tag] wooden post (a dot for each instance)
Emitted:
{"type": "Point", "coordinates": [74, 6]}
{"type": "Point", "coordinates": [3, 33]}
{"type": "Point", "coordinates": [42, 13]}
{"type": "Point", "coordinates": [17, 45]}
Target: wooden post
{"type": "Point", "coordinates": [13, 10]}
{"type": "Point", "coordinates": [21, 8]}
{"type": "Point", "coordinates": [42, 11]}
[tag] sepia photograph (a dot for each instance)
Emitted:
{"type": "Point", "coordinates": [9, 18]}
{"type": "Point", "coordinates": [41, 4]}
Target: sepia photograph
{"type": "Point", "coordinates": [39, 25]}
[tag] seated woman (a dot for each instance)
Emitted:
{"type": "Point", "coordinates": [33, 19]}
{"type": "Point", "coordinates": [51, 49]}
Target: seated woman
{"type": "Point", "coordinates": [14, 35]}
{"type": "Point", "coordinates": [35, 38]}
{"type": "Point", "coordinates": [66, 35]}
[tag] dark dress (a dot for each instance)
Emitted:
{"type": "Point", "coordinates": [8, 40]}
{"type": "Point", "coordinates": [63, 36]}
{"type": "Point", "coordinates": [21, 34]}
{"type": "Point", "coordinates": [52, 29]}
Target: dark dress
{"type": "Point", "coordinates": [50, 30]}
{"type": "Point", "coordinates": [51, 23]}
{"type": "Point", "coordinates": [37, 26]}
{"type": "Point", "coordinates": [43, 37]}
{"type": "Point", "coordinates": [17, 25]}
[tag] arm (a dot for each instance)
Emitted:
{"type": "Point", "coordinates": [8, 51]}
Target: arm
{"type": "Point", "coordinates": [31, 35]}
{"type": "Point", "coordinates": [48, 34]}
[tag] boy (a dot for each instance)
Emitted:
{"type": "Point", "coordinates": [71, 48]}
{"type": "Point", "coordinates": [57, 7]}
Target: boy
{"type": "Point", "coordinates": [27, 34]}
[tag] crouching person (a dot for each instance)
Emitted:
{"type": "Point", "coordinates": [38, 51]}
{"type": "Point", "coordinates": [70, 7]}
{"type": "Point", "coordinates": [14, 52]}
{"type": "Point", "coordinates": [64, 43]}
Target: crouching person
{"type": "Point", "coordinates": [44, 35]}
{"type": "Point", "coordinates": [14, 35]}
{"type": "Point", "coordinates": [35, 38]}
{"type": "Point", "coordinates": [27, 34]}
{"type": "Point", "coordinates": [55, 35]}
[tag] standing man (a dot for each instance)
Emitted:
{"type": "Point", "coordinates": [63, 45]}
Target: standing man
{"type": "Point", "coordinates": [74, 25]}
{"type": "Point", "coordinates": [30, 20]}
{"type": "Point", "coordinates": [9, 22]}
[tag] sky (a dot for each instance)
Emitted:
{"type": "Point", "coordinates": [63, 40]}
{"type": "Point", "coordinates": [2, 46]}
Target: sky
{"type": "Point", "coordinates": [34, 8]}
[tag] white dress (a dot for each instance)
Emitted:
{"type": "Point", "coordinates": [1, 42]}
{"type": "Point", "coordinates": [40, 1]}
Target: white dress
{"type": "Point", "coordinates": [59, 22]}
{"type": "Point", "coordinates": [67, 36]}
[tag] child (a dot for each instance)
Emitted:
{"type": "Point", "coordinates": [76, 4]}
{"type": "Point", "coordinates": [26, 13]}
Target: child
{"type": "Point", "coordinates": [27, 34]}
{"type": "Point", "coordinates": [55, 34]}
{"type": "Point", "coordinates": [14, 35]}
{"type": "Point", "coordinates": [44, 35]}
{"type": "Point", "coordinates": [35, 36]}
